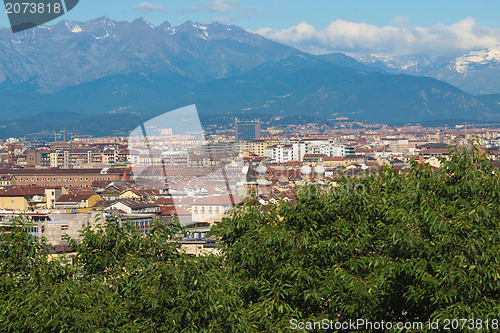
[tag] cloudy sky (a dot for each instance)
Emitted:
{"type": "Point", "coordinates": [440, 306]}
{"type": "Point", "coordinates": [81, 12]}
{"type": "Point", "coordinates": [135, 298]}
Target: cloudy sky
{"type": "Point", "coordinates": [434, 27]}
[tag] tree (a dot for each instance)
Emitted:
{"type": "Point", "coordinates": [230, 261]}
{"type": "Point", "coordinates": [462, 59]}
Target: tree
{"type": "Point", "coordinates": [419, 246]}
{"type": "Point", "coordinates": [412, 247]}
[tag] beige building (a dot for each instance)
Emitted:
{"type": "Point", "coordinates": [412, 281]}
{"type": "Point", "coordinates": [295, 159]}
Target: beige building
{"type": "Point", "coordinates": [56, 228]}
{"type": "Point", "coordinates": [52, 194]}
{"type": "Point", "coordinates": [211, 210]}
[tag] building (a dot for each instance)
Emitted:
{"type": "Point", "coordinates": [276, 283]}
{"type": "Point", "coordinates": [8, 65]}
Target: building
{"type": "Point", "coordinates": [130, 206]}
{"type": "Point", "coordinates": [247, 130]}
{"type": "Point", "coordinates": [77, 201]}
{"type": "Point", "coordinates": [38, 158]}
{"type": "Point", "coordinates": [334, 161]}
{"type": "Point", "coordinates": [138, 214]}
{"type": "Point", "coordinates": [299, 150]}
{"type": "Point", "coordinates": [314, 159]}
{"type": "Point", "coordinates": [23, 198]}
{"type": "Point", "coordinates": [328, 148]}
{"type": "Point", "coordinates": [211, 210]}
{"type": "Point", "coordinates": [279, 153]}
{"type": "Point", "coordinates": [64, 177]}
{"type": "Point", "coordinates": [7, 181]}
{"type": "Point", "coordinates": [175, 157]}
{"type": "Point", "coordinates": [57, 229]}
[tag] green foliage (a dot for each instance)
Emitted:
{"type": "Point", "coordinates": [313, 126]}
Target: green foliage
{"type": "Point", "coordinates": [395, 247]}
{"type": "Point", "coordinates": [122, 281]}
{"type": "Point", "coordinates": [419, 246]}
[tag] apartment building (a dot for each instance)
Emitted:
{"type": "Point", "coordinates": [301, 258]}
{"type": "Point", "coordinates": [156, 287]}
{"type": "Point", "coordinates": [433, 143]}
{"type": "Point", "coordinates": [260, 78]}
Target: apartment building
{"type": "Point", "coordinates": [279, 153]}
{"type": "Point", "coordinates": [65, 177]}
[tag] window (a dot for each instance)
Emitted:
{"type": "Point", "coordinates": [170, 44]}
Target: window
{"type": "Point", "coordinates": [64, 227]}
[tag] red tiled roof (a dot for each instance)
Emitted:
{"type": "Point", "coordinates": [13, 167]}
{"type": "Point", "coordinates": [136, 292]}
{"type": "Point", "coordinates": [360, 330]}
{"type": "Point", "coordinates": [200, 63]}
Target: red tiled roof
{"type": "Point", "coordinates": [165, 201]}
{"type": "Point", "coordinates": [23, 191]}
{"type": "Point", "coordinates": [57, 172]}
{"type": "Point", "coordinates": [182, 212]}
{"type": "Point", "coordinates": [176, 211]}
{"type": "Point", "coordinates": [74, 197]}
{"type": "Point", "coordinates": [334, 158]}
{"type": "Point", "coordinates": [314, 155]}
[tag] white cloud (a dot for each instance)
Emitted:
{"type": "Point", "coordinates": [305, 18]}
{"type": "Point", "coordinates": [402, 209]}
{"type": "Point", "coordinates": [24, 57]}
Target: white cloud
{"type": "Point", "coordinates": [400, 39]}
{"type": "Point", "coordinates": [219, 6]}
{"type": "Point", "coordinates": [147, 7]}
{"type": "Point", "coordinates": [222, 6]}
{"type": "Point", "coordinates": [231, 7]}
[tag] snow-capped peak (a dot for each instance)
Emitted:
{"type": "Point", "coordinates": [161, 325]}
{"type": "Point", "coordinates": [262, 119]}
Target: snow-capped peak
{"type": "Point", "coordinates": [75, 28]}
{"type": "Point", "coordinates": [475, 57]}
{"type": "Point", "coordinates": [203, 28]}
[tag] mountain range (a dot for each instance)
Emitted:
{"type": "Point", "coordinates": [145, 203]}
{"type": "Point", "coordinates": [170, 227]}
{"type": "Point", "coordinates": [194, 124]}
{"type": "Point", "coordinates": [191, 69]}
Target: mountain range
{"type": "Point", "coordinates": [104, 77]}
{"type": "Point", "coordinates": [476, 72]}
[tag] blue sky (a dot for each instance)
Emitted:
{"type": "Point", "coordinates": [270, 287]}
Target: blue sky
{"type": "Point", "coordinates": [308, 24]}
{"type": "Point", "coordinates": [256, 14]}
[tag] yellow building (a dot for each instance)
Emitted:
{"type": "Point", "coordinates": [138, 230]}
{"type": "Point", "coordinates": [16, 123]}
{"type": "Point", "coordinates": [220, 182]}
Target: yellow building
{"type": "Point", "coordinates": [335, 161]}
{"type": "Point", "coordinates": [81, 202]}
{"type": "Point", "coordinates": [130, 195]}
{"type": "Point", "coordinates": [23, 198]}
{"type": "Point", "coordinates": [146, 195]}
{"type": "Point", "coordinates": [8, 181]}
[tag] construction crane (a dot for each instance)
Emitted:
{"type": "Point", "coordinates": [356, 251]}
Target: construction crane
{"type": "Point", "coordinates": [475, 125]}
{"type": "Point", "coordinates": [45, 134]}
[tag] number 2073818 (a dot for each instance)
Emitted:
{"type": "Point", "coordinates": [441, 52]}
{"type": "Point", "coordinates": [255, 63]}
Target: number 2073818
{"type": "Point", "coordinates": [33, 8]}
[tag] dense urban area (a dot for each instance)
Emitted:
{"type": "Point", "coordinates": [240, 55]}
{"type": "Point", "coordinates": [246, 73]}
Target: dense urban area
{"type": "Point", "coordinates": [64, 185]}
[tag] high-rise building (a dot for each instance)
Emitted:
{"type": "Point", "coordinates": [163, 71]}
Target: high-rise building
{"type": "Point", "coordinates": [247, 130]}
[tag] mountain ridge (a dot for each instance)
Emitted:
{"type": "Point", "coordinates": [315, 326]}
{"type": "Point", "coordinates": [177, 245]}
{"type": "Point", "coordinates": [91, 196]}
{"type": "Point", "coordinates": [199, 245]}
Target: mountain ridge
{"type": "Point", "coordinates": [133, 70]}
{"type": "Point", "coordinates": [476, 72]}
